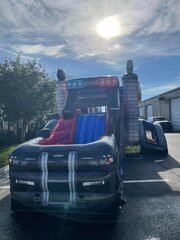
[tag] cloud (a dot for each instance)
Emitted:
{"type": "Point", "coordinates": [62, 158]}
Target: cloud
{"type": "Point", "coordinates": [166, 18]}
{"type": "Point", "coordinates": [156, 90]}
{"type": "Point", "coordinates": [39, 49]}
{"type": "Point", "coordinates": [15, 54]}
{"type": "Point", "coordinates": [57, 28]}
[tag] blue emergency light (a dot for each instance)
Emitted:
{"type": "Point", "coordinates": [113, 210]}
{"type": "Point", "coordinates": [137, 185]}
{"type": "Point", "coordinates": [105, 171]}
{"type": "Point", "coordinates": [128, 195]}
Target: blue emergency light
{"type": "Point", "coordinates": [75, 84]}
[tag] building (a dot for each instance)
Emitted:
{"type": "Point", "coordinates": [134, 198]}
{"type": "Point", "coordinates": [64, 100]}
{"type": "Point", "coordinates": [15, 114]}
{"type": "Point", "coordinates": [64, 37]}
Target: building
{"type": "Point", "coordinates": [166, 104]}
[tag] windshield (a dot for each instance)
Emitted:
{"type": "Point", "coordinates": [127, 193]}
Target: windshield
{"type": "Point", "coordinates": [93, 99]}
{"type": "Point", "coordinates": [159, 119]}
{"type": "Point", "coordinates": [51, 124]}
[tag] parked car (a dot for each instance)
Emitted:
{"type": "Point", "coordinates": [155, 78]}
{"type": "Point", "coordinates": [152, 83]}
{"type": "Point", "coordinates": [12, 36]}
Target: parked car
{"type": "Point", "coordinates": [45, 131]}
{"type": "Point", "coordinates": [141, 118]}
{"type": "Point", "coordinates": [165, 124]}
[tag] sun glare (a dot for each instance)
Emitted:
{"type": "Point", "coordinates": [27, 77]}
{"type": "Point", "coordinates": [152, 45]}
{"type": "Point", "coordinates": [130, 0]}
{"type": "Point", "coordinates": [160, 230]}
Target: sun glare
{"type": "Point", "coordinates": [108, 27]}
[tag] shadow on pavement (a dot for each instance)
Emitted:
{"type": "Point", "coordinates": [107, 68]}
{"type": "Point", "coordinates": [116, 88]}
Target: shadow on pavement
{"type": "Point", "coordinates": [150, 168]}
{"type": "Point", "coordinates": [46, 226]}
{"type": "Point", "coordinates": [43, 226]}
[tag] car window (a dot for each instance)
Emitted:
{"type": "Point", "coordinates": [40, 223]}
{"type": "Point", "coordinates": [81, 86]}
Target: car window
{"type": "Point", "coordinates": [159, 119]}
{"type": "Point", "coordinates": [51, 124]}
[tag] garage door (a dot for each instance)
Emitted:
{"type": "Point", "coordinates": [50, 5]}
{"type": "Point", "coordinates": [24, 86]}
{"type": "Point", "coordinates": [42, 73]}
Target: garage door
{"type": "Point", "coordinates": [149, 111]}
{"type": "Point", "coordinates": [141, 111]}
{"type": "Point", "coordinates": [175, 113]}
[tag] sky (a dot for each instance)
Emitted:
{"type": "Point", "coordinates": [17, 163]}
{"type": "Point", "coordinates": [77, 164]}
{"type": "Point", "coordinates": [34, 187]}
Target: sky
{"type": "Point", "coordinates": [96, 37]}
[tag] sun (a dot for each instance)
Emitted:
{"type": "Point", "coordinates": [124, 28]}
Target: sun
{"type": "Point", "coordinates": [108, 27]}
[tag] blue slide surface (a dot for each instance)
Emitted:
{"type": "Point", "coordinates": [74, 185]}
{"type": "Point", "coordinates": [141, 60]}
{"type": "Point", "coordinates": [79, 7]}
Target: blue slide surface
{"type": "Point", "coordinates": [90, 127]}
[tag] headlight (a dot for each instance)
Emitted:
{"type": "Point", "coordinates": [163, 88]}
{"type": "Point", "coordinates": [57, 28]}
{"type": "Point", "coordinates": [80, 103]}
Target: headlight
{"type": "Point", "coordinates": [14, 161]}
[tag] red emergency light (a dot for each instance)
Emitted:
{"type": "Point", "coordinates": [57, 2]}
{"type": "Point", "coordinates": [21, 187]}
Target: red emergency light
{"type": "Point", "coordinates": [107, 81]}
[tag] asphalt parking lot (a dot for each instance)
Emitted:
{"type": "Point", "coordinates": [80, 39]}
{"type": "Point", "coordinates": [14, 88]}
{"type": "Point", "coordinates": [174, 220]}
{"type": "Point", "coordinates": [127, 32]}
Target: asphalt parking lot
{"type": "Point", "coordinates": [152, 212]}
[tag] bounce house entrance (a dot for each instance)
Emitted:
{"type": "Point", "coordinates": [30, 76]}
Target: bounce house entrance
{"type": "Point", "coordinates": [81, 129]}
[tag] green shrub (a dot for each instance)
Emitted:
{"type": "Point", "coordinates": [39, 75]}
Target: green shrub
{"type": "Point", "coordinates": [4, 155]}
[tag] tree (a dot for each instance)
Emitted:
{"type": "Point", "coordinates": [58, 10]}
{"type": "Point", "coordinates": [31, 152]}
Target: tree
{"type": "Point", "coordinates": [26, 92]}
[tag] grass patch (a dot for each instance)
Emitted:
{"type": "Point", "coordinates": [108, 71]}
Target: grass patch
{"type": "Point", "coordinates": [4, 155]}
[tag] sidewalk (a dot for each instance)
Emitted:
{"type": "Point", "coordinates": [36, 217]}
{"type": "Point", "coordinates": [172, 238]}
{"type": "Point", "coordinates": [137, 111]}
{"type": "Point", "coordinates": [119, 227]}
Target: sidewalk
{"type": "Point", "coordinates": [4, 176]}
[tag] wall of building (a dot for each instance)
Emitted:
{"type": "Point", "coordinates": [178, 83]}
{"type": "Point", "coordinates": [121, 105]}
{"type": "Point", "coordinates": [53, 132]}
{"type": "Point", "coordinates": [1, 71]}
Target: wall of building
{"type": "Point", "coordinates": [161, 104]}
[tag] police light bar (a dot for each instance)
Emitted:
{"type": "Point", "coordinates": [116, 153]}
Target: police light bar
{"type": "Point", "coordinates": [108, 81]}
{"type": "Point", "coordinates": [75, 84]}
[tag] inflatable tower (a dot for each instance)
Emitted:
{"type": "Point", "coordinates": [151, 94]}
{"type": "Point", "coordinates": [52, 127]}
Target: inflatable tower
{"type": "Point", "coordinates": [131, 97]}
{"type": "Point", "coordinates": [61, 92]}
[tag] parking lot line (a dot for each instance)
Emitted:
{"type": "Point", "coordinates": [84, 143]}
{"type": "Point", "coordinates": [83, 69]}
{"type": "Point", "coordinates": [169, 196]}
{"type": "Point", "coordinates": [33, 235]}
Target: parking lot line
{"type": "Point", "coordinates": [146, 181]}
{"type": "Point", "coordinates": [4, 187]}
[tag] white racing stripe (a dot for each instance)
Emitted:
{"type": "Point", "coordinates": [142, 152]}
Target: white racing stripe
{"type": "Point", "coordinates": [44, 179]}
{"type": "Point", "coordinates": [71, 177]}
{"type": "Point", "coordinates": [146, 181]}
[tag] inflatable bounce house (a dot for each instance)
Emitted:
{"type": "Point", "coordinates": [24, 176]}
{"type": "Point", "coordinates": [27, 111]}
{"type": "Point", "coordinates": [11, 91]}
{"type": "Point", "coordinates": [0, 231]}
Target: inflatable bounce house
{"type": "Point", "coordinates": [77, 167]}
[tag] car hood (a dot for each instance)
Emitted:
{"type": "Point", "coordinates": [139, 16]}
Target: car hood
{"type": "Point", "coordinates": [163, 121]}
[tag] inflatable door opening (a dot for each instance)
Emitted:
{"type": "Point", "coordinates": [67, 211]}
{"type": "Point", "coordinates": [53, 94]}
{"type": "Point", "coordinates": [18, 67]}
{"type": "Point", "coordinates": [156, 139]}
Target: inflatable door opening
{"type": "Point", "coordinates": [81, 129]}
